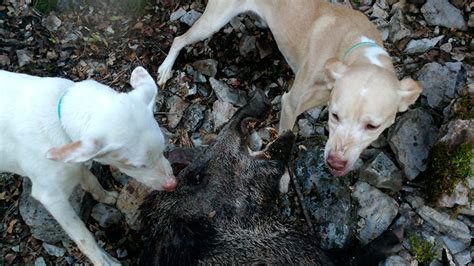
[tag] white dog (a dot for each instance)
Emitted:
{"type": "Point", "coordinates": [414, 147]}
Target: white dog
{"type": "Point", "coordinates": [50, 127]}
{"type": "Point", "coordinates": [338, 59]}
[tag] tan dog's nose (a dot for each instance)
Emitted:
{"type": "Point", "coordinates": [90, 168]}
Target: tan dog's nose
{"type": "Point", "coordinates": [170, 184]}
{"type": "Point", "coordinates": [336, 163]}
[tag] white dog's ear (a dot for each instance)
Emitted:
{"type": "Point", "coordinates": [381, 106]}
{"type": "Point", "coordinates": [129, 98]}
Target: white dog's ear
{"type": "Point", "coordinates": [78, 151]}
{"type": "Point", "coordinates": [144, 86]}
{"type": "Point", "coordinates": [334, 69]}
{"type": "Point", "coordinates": [409, 91]}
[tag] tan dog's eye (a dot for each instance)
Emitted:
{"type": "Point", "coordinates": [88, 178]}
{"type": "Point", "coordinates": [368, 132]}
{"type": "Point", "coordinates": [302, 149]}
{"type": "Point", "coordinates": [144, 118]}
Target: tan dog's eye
{"type": "Point", "coordinates": [335, 117]}
{"type": "Point", "coordinates": [371, 127]}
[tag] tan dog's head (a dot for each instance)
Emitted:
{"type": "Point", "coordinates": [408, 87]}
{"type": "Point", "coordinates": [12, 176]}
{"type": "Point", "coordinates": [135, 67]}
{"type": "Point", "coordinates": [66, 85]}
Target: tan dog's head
{"type": "Point", "coordinates": [364, 101]}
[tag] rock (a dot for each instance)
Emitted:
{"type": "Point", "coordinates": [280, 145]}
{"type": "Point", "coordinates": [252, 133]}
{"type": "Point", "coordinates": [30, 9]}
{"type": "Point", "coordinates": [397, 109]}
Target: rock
{"type": "Point", "coordinates": [470, 22]}
{"type": "Point", "coordinates": [264, 48]}
{"type": "Point", "coordinates": [54, 250]}
{"type": "Point", "coordinates": [306, 128]}
{"type": "Point", "coordinates": [4, 60]}
{"type": "Point", "coordinates": [40, 261]}
{"type": "Point", "coordinates": [443, 13]}
{"type": "Point", "coordinates": [382, 173]}
{"type": "Point", "coordinates": [190, 17]}
{"type": "Point", "coordinates": [422, 45]}
{"type": "Point", "coordinates": [411, 139]}
{"type": "Point", "coordinates": [460, 196]}
{"type": "Point", "coordinates": [314, 113]}
{"type": "Point", "coordinates": [326, 198]}
{"type": "Point", "coordinates": [446, 47]}
{"type": "Point", "coordinates": [376, 212]}
{"type": "Point", "coordinates": [227, 94]}
{"type": "Point", "coordinates": [378, 12]}
{"type": "Point", "coordinates": [51, 22]}
{"type": "Point", "coordinates": [440, 82]}
{"type": "Point", "coordinates": [255, 142]}
{"type": "Point", "coordinates": [463, 257]}
{"type": "Point", "coordinates": [24, 57]}
{"type": "Point", "coordinates": [176, 107]}
{"type": "Point", "coordinates": [222, 112]}
{"type": "Point", "coordinates": [395, 260]}
{"type": "Point", "coordinates": [106, 215]}
{"type": "Point", "coordinates": [129, 200]}
{"type": "Point", "coordinates": [458, 131]}
{"type": "Point", "coordinates": [42, 225]}
{"type": "Point", "coordinates": [397, 28]}
{"type": "Point", "coordinates": [177, 14]}
{"type": "Point", "coordinates": [248, 46]}
{"type": "Point", "coordinates": [51, 55]}
{"type": "Point", "coordinates": [193, 117]}
{"type": "Point", "coordinates": [206, 67]}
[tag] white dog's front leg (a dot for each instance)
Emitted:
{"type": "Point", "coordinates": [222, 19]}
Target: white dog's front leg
{"type": "Point", "coordinates": [57, 203]}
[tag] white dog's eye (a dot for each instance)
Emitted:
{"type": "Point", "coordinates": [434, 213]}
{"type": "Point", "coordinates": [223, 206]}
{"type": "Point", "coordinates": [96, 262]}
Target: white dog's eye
{"type": "Point", "coordinates": [335, 117]}
{"type": "Point", "coordinates": [371, 127]}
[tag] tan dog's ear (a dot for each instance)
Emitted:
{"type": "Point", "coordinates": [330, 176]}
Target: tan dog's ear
{"type": "Point", "coordinates": [76, 152]}
{"type": "Point", "coordinates": [334, 69]}
{"type": "Point", "coordinates": [144, 86]}
{"type": "Point", "coordinates": [409, 91]}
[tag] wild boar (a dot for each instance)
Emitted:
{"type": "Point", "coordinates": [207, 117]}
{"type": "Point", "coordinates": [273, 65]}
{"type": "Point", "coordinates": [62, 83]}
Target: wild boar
{"type": "Point", "coordinates": [224, 209]}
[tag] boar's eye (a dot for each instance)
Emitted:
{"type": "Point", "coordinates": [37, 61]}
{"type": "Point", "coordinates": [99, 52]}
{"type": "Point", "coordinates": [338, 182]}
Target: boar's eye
{"type": "Point", "coordinates": [196, 179]}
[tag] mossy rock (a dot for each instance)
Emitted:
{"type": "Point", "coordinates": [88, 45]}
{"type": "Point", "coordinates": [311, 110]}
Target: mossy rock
{"type": "Point", "coordinates": [463, 108]}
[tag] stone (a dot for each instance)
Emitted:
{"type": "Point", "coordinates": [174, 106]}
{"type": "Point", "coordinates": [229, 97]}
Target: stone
{"type": "Point", "coordinates": [40, 262]}
{"type": "Point", "coordinates": [222, 112]}
{"type": "Point", "coordinates": [51, 22]}
{"type": "Point", "coordinates": [440, 82]}
{"type": "Point", "coordinates": [206, 67]}
{"type": "Point", "coordinates": [24, 57]}
{"type": "Point", "coordinates": [177, 14]}
{"type": "Point", "coordinates": [379, 12]}
{"type": "Point", "coordinates": [470, 22]}
{"type": "Point", "coordinates": [190, 17]}
{"type": "Point", "coordinates": [458, 131]}
{"type": "Point", "coordinates": [382, 173]}
{"type": "Point", "coordinates": [395, 260]}
{"type": "Point", "coordinates": [106, 215]}
{"type": "Point", "coordinates": [463, 257]}
{"type": "Point", "coordinates": [326, 198]}
{"type": "Point", "coordinates": [176, 106]}
{"type": "Point", "coordinates": [443, 13]}
{"type": "Point", "coordinates": [227, 94]}
{"type": "Point", "coordinates": [411, 139]}
{"type": "Point", "coordinates": [255, 141]}
{"type": "Point", "coordinates": [306, 128]}
{"type": "Point", "coordinates": [42, 225]}
{"type": "Point", "coordinates": [4, 60]}
{"type": "Point", "coordinates": [446, 47]}
{"type": "Point", "coordinates": [397, 28]}
{"type": "Point", "coordinates": [422, 45]}
{"type": "Point", "coordinates": [376, 212]}
{"type": "Point", "coordinates": [193, 117]}
{"type": "Point", "coordinates": [248, 46]}
{"type": "Point", "coordinates": [54, 250]}
{"type": "Point", "coordinates": [460, 196]}
{"type": "Point", "coordinates": [129, 200]}
{"type": "Point", "coordinates": [264, 48]}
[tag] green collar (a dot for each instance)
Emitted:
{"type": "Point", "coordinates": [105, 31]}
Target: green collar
{"type": "Point", "coordinates": [59, 108]}
{"type": "Point", "coordinates": [348, 51]}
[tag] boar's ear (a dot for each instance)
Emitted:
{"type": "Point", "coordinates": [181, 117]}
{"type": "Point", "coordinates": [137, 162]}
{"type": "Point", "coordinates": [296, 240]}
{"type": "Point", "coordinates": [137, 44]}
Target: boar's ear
{"type": "Point", "coordinates": [254, 111]}
{"type": "Point", "coordinates": [280, 149]}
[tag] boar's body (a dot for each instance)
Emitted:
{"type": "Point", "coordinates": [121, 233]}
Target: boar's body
{"type": "Point", "coordinates": [224, 209]}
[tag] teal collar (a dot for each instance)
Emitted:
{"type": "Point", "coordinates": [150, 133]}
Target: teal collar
{"type": "Point", "coordinates": [59, 108]}
{"type": "Point", "coordinates": [348, 51]}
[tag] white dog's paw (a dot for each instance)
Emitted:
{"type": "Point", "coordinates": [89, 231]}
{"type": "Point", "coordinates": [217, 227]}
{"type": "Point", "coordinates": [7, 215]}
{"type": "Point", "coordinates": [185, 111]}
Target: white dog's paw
{"type": "Point", "coordinates": [108, 260]}
{"type": "Point", "coordinates": [110, 197]}
{"type": "Point", "coordinates": [164, 73]}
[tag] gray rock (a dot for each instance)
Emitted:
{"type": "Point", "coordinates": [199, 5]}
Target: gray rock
{"type": "Point", "coordinates": [458, 131]}
{"type": "Point", "coordinates": [176, 107]}
{"type": "Point", "coordinates": [440, 82]}
{"type": "Point", "coordinates": [129, 200]}
{"type": "Point", "coordinates": [460, 196]}
{"type": "Point", "coordinates": [326, 198]}
{"type": "Point", "coordinates": [206, 67]}
{"type": "Point", "coordinates": [314, 112]}
{"type": "Point", "coordinates": [193, 117]}
{"type": "Point", "coordinates": [42, 225]}
{"type": "Point", "coordinates": [395, 260]}
{"type": "Point", "coordinates": [446, 47]}
{"type": "Point", "coordinates": [51, 22]}
{"type": "Point", "coordinates": [382, 173]}
{"type": "Point", "coordinates": [376, 212]}
{"type": "Point", "coordinates": [255, 142]}
{"type": "Point", "coordinates": [463, 258]}
{"type": "Point", "coordinates": [24, 57]}
{"type": "Point", "coordinates": [177, 14]}
{"type": "Point", "coordinates": [379, 12]}
{"type": "Point", "coordinates": [227, 94]}
{"type": "Point", "coordinates": [443, 13]}
{"type": "Point", "coordinates": [264, 48]}
{"type": "Point", "coordinates": [411, 139]}
{"type": "Point", "coordinates": [422, 45]}
{"type": "Point", "coordinates": [248, 46]}
{"type": "Point", "coordinates": [222, 112]}
{"type": "Point", "coordinates": [40, 261]}
{"type": "Point", "coordinates": [106, 215]}
{"type": "Point", "coordinates": [397, 28]}
{"type": "Point", "coordinates": [54, 250]}
{"type": "Point", "coordinates": [470, 22]}
{"type": "Point", "coordinates": [4, 60]}
{"type": "Point", "coordinates": [190, 17]}
{"type": "Point", "coordinates": [306, 128]}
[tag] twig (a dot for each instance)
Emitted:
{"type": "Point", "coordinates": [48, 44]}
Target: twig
{"type": "Point", "coordinates": [299, 194]}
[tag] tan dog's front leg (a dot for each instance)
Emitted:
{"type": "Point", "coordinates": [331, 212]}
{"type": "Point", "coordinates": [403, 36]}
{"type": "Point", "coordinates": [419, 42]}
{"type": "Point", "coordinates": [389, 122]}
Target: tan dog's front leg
{"type": "Point", "coordinates": [90, 184]}
{"type": "Point", "coordinates": [216, 15]}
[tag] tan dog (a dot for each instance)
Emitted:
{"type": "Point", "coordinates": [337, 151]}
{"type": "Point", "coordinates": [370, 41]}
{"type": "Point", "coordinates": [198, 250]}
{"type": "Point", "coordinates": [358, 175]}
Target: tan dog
{"type": "Point", "coordinates": [339, 60]}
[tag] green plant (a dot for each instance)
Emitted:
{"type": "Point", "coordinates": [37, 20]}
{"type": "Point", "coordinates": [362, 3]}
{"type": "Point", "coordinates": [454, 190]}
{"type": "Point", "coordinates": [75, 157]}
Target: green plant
{"type": "Point", "coordinates": [423, 251]}
{"type": "Point", "coordinates": [45, 6]}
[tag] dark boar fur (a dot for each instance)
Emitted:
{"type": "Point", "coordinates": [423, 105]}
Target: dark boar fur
{"type": "Point", "coordinates": [224, 209]}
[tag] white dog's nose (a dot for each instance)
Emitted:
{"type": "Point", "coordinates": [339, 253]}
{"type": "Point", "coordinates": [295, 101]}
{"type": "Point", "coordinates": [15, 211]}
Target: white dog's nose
{"type": "Point", "coordinates": [170, 184]}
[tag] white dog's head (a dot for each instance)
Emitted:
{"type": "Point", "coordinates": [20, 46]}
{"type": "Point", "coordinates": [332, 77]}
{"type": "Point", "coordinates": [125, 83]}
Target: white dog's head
{"type": "Point", "coordinates": [363, 103]}
{"type": "Point", "coordinates": [122, 132]}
